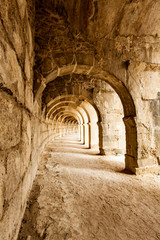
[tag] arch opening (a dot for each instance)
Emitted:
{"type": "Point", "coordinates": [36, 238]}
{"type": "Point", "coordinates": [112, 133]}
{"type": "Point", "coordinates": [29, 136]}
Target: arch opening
{"type": "Point", "coordinates": [131, 157]}
{"type": "Point", "coordinates": [89, 123]}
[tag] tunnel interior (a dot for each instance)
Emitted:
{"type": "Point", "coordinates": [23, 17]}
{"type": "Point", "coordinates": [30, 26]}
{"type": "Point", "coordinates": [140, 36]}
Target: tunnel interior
{"type": "Point", "coordinates": [91, 103]}
{"type": "Point", "coordinates": [89, 68]}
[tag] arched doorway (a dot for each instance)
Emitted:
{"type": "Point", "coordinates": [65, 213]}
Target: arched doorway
{"type": "Point", "coordinates": [124, 95]}
{"type": "Point", "coordinates": [90, 127]}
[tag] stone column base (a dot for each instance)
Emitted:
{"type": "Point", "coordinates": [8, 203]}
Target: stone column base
{"type": "Point", "coordinates": [111, 152]}
{"type": "Point", "coordinates": [148, 170]}
{"type": "Point", "coordinates": [101, 151]}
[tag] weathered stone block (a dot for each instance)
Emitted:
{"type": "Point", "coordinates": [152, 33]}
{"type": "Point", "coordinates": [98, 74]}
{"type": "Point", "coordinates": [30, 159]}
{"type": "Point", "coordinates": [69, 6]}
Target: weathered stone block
{"type": "Point", "coordinates": [147, 170]}
{"type": "Point", "coordinates": [29, 96]}
{"type": "Point", "coordinates": [26, 142]}
{"type": "Point", "coordinates": [12, 216]}
{"type": "Point", "coordinates": [85, 59]}
{"type": "Point", "coordinates": [22, 7]}
{"type": "Point", "coordinates": [10, 71]}
{"type": "Point", "coordinates": [150, 161]}
{"type": "Point", "coordinates": [2, 181]}
{"type": "Point", "coordinates": [13, 25]}
{"type": "Point", "coordinates": [13, 173]}
{"type": "Point", "coordinates": [10, 123]}
{"type": "Point", "coordinates": [28, 69]}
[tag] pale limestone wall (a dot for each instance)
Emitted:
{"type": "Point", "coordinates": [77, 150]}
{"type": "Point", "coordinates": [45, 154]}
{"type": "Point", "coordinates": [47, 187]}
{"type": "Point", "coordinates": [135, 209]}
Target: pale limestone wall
{"type": "Point", "coordinates": [127, 35]}
{"type": "Point", "coordinates": [126, 48]}
{"type": "Point", "coordinates": [144, 84]}
{"type": "Point", "coordinates": [121, 38]}
{"type": "Point", "coordinates": [22, 133]}
{"type": "Point", "coordinates": [128, 38]}
{"type": "Point", "coordinates": [111, 111]}
{"type": "Point", "coordinates": [141, 75]}
{"type": "Point", "coordinates": [16, 106]}
{"type": "Point", "coordinates": [138, 42]}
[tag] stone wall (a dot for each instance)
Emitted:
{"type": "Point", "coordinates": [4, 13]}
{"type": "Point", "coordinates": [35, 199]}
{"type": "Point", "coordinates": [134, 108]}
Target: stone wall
{"type": "Point", "coordinates": [23, 134]}
{"type": "Point", "coordinates": [121, 38]}
{"type": "Point", "coordinates": [116, 42]}
{"type": "Point", "coordinates": [130, 43]}
{"type": "Point", "coordinates": [111, 109]}
{"type": "Point", "coordinates": [103, 97]}
{"type": "Point", "coordinates": [16, 109]}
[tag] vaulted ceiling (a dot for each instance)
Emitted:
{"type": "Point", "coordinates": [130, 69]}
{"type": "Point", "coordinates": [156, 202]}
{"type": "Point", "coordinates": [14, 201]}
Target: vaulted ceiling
{"type": "Point", "coordinates": [107, 34]}
{"type": "Point", "coordinates": [70, 29]}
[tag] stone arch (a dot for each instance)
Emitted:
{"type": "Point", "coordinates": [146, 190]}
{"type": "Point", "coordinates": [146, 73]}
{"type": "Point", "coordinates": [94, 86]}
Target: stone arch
{"type": "Point", "coordinates": [63, 114]}
{"type": "Point", "coordinates": [61, 105]}
{"type": "Point", "coordinates": [93, 124]}
{"type": "Point", "coordinates": [91, 120]}
{"type": "Point", "coordinates": [71, 123]}
{"type": "Point", "coordinates": [67, 123]}
{"type": "Point", "coordinates": [70, 117]}
{"type": "Point", "coordinates": [79, 118]}
{"type": "Point", "coordinates": [131, 157]}
{"type": "Point", "coordinates": [72, 98]}
{"type": "Point", "coordinates": [95, 131]}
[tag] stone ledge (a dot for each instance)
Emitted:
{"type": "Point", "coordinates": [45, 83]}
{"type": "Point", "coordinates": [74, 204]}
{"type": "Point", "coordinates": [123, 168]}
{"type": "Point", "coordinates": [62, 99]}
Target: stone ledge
{"type": "Point", "coordinates": [112, 152]}
{"type": "Point", "coordinates": [148, 170]}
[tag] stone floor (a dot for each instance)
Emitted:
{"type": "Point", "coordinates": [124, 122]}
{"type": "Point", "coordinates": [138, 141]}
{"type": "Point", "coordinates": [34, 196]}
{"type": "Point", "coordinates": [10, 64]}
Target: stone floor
{"type": "Point", "coordinates": [80, 195]}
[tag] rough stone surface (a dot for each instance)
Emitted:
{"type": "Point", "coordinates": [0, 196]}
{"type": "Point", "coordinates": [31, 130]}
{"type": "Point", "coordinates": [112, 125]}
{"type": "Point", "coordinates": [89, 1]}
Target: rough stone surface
{"type": "Point", "coordinates": [10, 113]}
{"type": "Point", "coordinates": [16, 115]}
{"type": "Point", "coordinates": [100, 37]}
{"type": "Point", "coordinates": [74, 65]}
{"type": "Point", "coordinates": [79, 195]}
{"type": "Point", "coordinates": [103, 97]}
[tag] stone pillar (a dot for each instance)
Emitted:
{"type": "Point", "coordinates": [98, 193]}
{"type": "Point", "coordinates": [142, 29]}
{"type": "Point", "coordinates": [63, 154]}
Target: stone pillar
{"type": "Point", "coordinates": [86, 134]}
{"type": "Point", "coordinates": [113, 134]}
{"type": "Point", "coordinates": [89, 135]}
{"type": "Point", "coordinates": [80, 133]}
{"type": "Point", "coordinates": [131, 144]}
{"type": "Point", "coordinates": [83, 135]}
{"type": "Point", "coordinates": [101, 149]}
{"type": "Point", "coordinates": [138, 158]}
{"type": "Point", "coordinates": [93, 135]}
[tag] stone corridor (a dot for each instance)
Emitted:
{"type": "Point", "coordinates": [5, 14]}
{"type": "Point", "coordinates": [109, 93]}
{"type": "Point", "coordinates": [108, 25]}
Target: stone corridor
{"type": "Point", "coordinates": [90, 67]}
{"type": "Point", "coordinates": [80, 195]}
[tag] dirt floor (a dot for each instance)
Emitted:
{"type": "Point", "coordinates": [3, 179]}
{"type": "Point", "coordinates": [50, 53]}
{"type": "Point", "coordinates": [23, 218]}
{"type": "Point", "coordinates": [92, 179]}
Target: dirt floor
{"type": "Point", "coordinates": [80, 195]}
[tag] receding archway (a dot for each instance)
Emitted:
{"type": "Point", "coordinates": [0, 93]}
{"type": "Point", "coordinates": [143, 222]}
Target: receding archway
{"type": "Point", "coordinates": [90, 116]}
{"type": "Point", "coordinates": [131, 157]}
